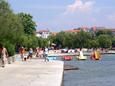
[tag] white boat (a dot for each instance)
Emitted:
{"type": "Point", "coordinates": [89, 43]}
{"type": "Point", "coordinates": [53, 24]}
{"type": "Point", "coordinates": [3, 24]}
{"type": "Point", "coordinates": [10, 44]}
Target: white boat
{"type": "Point", "coordinates": [81, 56]}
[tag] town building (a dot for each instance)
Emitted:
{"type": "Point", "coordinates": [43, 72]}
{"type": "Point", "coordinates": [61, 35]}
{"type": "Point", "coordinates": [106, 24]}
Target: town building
{"type": "Point", "coordinates": [43, 33]}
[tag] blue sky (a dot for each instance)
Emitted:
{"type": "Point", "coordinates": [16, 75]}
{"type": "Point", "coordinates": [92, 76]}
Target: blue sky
{"type": "Point", "coordinates": [58, 15]}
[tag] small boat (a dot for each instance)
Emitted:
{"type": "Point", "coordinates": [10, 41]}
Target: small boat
{"type": "Point", "coordinates": [68, 58]}
{"type": "Point", "coordinates": [81, 57]}
{"type": "Point", "coordinates": [96, 55]}
{"type": "Point", "coordinates": [50, 58]}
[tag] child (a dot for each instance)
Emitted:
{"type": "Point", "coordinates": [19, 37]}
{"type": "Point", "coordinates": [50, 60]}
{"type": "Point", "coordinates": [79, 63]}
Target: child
{"type": "Point", "coordinates": [30, 53]}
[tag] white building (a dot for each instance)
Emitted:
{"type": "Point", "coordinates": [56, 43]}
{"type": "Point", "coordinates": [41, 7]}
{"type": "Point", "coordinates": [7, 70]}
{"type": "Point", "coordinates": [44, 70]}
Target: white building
{"type": "Point", "coordinates": [43, 33]}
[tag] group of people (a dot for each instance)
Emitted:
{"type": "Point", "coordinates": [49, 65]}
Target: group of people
{"type": "Point", "coordinates": [38, 52]}
{"type": "Point", "coordinates": [42, 53]}
{"type": "Point", "coordinates": [3, 55]}
{"type": "Point", "coordinates": [22, 52]}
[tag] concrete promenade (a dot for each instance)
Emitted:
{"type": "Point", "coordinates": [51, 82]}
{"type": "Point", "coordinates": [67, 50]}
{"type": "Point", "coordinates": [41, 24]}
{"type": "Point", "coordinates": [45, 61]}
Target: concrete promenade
{"type": "Point", "coordinates": [34, 72]}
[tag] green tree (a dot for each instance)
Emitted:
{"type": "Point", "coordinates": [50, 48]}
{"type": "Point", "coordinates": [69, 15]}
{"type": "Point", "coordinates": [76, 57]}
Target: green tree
{"type": "Point", "coordinates": [106, 32]}
{"type": "Point", "coordinates": [69, 40]}
{"type": "Point", "coordinates": [10, 27]}
{"type": "Point", "coordinates": [82, 38]}
{"type": "Point", "coordinates": [92, 43]}
{"type": "Point", "coordinates": [113, 42]}
{"type": "Point", "coordinates": [4, 8]}
{"type": "Point", "coordinates": [105, 41]}
{"type": "Point", "coordinates": [28, 23]}
{"type": "Point", "coordinates": [59, 39]}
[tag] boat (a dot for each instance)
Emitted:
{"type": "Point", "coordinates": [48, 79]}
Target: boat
{"type": "Point", "coordinates": [96, 55]}
{"type": "Point", "coordinates": [68, 58]}
{"type": "Point", "coordinates": [81, 57]}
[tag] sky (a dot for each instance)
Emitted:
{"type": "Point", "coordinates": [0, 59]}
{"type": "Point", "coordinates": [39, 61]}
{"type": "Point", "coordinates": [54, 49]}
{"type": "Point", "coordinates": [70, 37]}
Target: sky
{"type": "Point", "coordinates": [59, 15]}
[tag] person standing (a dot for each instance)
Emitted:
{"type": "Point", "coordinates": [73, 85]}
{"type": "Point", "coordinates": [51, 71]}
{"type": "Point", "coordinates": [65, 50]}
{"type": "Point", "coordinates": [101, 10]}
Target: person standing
{"type": "Point", "coordinates": [45, 55]}
{"type": "Point", "coordinates": [22, 52]}
{"type": "Point", "coordinates": [3, 55]}
{"type": "Point", "coordinates": [37, 52]}
{"type": "Point", "coordinates": [30, 53]}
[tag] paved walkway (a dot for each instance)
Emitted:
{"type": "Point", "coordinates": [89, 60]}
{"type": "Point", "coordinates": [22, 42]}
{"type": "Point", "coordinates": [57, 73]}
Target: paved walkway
{"type": "Point", "coordinates": [33, 72]}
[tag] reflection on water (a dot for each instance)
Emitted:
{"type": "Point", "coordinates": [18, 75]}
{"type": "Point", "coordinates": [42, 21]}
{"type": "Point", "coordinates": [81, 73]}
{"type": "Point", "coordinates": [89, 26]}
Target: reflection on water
{"type": "Point", "coordinates": [91, 73]}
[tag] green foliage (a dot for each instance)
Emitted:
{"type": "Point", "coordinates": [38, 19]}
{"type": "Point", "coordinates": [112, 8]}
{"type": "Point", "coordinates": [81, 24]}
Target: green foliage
{"type": "Point", "coordinates": [106, 32]}
{"type": "Point", "coordinates": [16, 29]}
{"type": "Point", "coordinates": [82, 39]}
{"type": "Point", "coordinates": [71, 40]}
{"type": "Point", "coordinates": [105, 41]}
{"type": "Point", "coordinates": [29, 41]}
{"type": "Point", "coordinates": [28, 23]}
{"type": "Point", "coordinates": [4, 8]}
{"type": "Point", "coordinates": [113, 41]}
{"type": "Point", "coordinates": [10, 27]}
{"type": "Point", "coordinates": [58, 39]}
{"type": "Point", "coordinates": [68, 41]}
{"type": "Point", "coordinates": [92, 43]}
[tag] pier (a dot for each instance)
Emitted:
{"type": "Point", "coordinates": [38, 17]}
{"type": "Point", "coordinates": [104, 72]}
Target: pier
{"type": "Point", "coordinates": [34, 72]}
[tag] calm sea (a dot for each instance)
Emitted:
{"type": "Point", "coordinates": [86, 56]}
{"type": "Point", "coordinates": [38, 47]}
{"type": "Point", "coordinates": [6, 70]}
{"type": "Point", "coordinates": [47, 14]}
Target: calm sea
{"type": "Point", "coordinates": [91, 73]}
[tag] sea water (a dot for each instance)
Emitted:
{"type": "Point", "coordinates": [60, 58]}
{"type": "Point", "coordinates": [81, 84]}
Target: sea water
{"type": "Point", "coordinates": [91, 73]}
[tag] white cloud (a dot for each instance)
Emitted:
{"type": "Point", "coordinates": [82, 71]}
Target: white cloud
{"type": "Point", "coordinates": [79, 5]}
{"type": "Point", "coordinates": [111, 17]}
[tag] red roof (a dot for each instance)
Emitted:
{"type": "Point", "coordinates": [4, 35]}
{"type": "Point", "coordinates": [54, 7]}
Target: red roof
{"type": "Point", "coordinates": [42, 31]}
{"type": "Point", "coordinates": [54, 33]}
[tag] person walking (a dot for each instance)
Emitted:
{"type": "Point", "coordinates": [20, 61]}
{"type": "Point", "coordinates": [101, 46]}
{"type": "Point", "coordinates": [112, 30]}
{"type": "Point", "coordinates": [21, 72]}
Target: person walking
{"type": "Point", "coordinates": [30, 54]}
{"type": "Point", "coordinates": [3, 55]}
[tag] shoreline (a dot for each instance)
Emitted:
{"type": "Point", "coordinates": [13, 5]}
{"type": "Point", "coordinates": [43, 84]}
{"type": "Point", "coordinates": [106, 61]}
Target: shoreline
{"type": "Point", "coordinates": [72, 54]}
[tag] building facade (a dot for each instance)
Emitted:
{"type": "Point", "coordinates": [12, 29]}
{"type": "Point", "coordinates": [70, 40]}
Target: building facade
{"type": "Point", "coordinates": [43, 33]}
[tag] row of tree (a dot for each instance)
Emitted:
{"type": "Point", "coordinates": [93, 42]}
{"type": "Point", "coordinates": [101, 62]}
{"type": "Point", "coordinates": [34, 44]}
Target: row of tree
{"type": "Point", "coordinates": [102, 39]}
